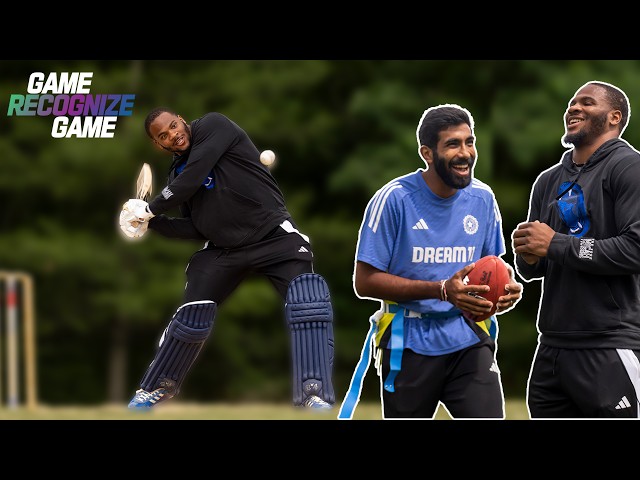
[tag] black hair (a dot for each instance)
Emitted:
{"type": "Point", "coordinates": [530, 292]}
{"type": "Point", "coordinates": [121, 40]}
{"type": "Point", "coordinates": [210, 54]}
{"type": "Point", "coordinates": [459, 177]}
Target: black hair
{"type": "Point", "coordinates": [436, 119]}
{"type": "Point", "coordinates": [152, 115]}
{"type": "Point", "coordinates": [617, 100]}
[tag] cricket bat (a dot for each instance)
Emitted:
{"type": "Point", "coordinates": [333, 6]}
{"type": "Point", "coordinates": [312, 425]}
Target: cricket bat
{"type": "Point", "coordinates": [144, 185]}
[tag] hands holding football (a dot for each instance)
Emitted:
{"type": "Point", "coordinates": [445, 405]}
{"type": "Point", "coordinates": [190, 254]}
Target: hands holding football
{"type": "Point", "coordinates": [484, 288]}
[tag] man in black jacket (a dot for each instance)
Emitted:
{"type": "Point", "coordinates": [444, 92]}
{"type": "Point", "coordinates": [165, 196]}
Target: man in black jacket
{"type": "Point", "coordinates": [582, 238]}
{"type": "Point", "coordinates": [231, 201]}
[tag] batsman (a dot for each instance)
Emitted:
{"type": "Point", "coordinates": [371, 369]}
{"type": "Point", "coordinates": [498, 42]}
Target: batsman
{"type": "Point", "coordinates": [228, 199]}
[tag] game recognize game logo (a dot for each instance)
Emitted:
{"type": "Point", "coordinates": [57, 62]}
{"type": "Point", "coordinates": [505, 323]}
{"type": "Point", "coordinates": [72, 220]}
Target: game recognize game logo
{"type": "Point", "coordinates": [67, 97]}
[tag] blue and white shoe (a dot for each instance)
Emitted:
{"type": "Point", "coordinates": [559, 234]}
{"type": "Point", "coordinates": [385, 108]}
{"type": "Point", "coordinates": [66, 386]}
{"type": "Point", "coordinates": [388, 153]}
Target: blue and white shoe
{"type": "Point", "coordinates": [316, 403]}
{"type": "Point", "coordinates": [144, 400]}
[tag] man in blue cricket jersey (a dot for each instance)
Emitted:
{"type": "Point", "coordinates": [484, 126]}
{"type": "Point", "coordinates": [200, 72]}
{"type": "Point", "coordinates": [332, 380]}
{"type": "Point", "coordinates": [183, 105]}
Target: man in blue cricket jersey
{"type": "Point", "coordinates": [420, 236]}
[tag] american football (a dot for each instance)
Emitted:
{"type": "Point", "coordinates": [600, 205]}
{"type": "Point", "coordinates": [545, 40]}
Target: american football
{"type": "Point", "coordinates": [492, 271]}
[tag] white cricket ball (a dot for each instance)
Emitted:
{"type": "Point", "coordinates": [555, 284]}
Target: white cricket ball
{"type": "Point", "coordinates": [267, 157]}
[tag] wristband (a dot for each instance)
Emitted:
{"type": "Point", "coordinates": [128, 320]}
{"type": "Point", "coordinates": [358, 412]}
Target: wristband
{"type": "Point", "coordinates": [443, 290]}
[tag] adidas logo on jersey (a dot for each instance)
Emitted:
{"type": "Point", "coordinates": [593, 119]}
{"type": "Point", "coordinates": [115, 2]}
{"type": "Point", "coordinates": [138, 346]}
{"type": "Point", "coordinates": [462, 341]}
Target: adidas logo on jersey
{"type": "Point", "coordinates": [302, 249]}
{"type": "Point", "coordinates": [421, 225]}
{"type": "Point", "coordinates": [624, 403]}
{"type": "Point", "coordinates": [494, 368]}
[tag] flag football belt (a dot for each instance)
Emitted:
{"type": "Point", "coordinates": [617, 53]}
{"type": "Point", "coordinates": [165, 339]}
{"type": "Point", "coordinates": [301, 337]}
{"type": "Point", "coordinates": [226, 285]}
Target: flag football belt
{"type": "Point", "coordinates": [394, 315]}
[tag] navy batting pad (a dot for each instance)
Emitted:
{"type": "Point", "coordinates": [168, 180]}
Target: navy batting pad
{"type": "Point", "coordinates": [180, 344]}
{"type": "Point", "coordinates": [309, 314]}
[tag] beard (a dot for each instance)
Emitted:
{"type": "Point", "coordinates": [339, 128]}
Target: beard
{"type": "Point", "coordinates": [448, 176]}
{"type": "Point", "coordinates": [596, 128]}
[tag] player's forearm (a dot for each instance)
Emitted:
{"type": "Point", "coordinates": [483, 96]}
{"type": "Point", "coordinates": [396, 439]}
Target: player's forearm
{"type": "Point", "coordinates": [372, 283]}
{"type": "Point", "coordinates": [182, 228]}
{"type": "Point", "coordinates": [618, 255]}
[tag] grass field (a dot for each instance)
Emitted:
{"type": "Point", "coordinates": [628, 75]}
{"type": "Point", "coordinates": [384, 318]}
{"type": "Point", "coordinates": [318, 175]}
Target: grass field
{"type": "Point", "coordinates": [174, 410]}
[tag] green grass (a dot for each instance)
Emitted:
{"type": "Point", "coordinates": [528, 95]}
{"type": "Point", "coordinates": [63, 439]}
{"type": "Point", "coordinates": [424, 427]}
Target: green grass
{"type": "Point", "coordinates": [174, 410]}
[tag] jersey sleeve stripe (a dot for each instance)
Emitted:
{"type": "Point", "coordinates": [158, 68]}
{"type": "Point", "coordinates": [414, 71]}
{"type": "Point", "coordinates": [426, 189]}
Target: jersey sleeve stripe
{"type": "Point", "coordinates": [376, 212]}
{"type": "Point", "coordinates": [376, 201]}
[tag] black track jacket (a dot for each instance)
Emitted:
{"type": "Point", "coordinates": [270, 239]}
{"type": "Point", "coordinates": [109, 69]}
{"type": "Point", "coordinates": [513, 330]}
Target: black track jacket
{"type": "Point", "coordinates": [591, 284]}
{"type": "Point", "coordinates": [243, 202]}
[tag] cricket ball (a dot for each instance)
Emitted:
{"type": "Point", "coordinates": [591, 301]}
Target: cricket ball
{"type": "Point", "coordinates": [267, 158]}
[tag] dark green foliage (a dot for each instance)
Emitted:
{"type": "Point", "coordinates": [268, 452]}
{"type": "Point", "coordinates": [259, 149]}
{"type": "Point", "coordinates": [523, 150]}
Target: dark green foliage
{"type": "Point", "coordinates": [341, 129]}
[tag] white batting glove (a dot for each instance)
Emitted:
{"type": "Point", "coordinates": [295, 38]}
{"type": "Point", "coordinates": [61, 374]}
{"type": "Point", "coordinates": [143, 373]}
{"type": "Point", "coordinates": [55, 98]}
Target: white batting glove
{"type": "Point", "coordinates": [139, 208]}
{"type": "Point", "coordinates": [131, 226]}
{"type": "Point", "coordinates": [132, 231]}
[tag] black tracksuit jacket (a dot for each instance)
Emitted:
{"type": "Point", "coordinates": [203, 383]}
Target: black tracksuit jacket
{"type": "Point", "coordinates": [591, 285]}
{"type": "Point", "coordinates": [245, 202]}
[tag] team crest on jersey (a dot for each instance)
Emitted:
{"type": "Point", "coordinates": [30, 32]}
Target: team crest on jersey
{"type": "Point", "coordinates": [470, 224]}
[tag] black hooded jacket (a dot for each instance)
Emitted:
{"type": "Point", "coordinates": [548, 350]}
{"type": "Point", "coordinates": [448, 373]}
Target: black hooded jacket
{"type": "Point", "coordinates": [591, 274]}
{"type": "Point", "coordinates": [224, 193]}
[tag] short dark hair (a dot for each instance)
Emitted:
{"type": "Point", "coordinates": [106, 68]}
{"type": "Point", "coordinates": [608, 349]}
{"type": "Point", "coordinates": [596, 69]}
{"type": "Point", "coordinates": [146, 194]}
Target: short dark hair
{"type": "Point", "coordinates": [152, 115]}
{"type": "Point", "coordinates": [617, 100]}
{"type": "Point", "coordinates": [439, 118]}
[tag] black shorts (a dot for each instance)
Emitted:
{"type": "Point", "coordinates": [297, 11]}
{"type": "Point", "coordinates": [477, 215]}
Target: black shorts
{"type": "Point", "coordinates": [584, 383]}
{"type": "Point", "coordinates": [467, 382]}
{"type": "Point", "coordinates": [214, 273]}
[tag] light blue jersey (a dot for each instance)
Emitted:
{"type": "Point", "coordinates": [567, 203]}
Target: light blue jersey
{"type": "Point", "coordinates": [409, 231]}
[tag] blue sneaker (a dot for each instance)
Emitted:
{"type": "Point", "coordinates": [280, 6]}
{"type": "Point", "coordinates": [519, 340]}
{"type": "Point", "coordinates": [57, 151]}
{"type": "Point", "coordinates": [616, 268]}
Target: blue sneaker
{"type": "Point", "coordinates": [316, 403]}
{"type": "Point", "coordinates": [144, 400]}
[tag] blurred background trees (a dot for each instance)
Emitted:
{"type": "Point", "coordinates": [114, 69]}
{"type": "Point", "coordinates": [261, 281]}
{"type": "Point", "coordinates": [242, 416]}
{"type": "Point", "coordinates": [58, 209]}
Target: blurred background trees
{"type": "Point", "coordinates": [340, 129]}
